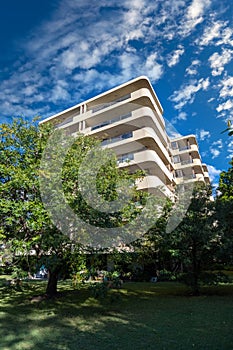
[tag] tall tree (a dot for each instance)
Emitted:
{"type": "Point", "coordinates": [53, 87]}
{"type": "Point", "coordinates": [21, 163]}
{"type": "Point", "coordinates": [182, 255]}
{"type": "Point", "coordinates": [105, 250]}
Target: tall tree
{"type": "Point", "coordinates": [224, 214]}
{"type": "Point", "coordinates": [25, 214]}
{"type": "Point", "coordinates": [194, 242]}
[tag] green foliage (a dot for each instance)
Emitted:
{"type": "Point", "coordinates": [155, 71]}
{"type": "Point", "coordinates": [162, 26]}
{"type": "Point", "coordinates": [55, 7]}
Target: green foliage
{"type": "Point", "coordinates": [26, 223]}
{"type": "Point", "coordinates": [195, 242]}
{"type": "Point", "coordinates": [226, 183]}
{"type": "Point", "coordinates": [224, 214]}
{"type": "Point", "coordinates": [111, 280]}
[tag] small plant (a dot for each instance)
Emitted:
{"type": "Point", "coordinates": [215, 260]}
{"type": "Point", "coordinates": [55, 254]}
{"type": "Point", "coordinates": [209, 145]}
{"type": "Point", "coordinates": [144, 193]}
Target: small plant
{"type": "Point", "coordinates": [99, 290]}
{"type": "Point", "coordinates": [79, 277]}
{"type": "Point", "coordinates": [111, 280]}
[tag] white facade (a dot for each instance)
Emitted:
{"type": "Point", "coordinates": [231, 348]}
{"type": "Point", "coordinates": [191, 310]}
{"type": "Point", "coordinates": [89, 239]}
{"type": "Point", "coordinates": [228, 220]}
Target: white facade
{"type": "Point", "coordinates": [128, 119]}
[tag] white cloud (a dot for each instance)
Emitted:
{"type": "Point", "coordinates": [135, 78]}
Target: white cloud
{"type": "Point", "coordinates": [79, 41]}
{"type": "Point", "coordinates": [196, 9]}
{"type": "Point", "coordinates": [227, 87]}
{"type": "Point", "coordinates": [230, 149]}
{"type": "Point", "coordinates": [192, 69]}
{"type": "Point", "coordinates": [218, 143]}
{"type": "Point", "coordinates": [180, 116]}
{"type": "Point", "coordinates": [59, 92]}
{"type": "Point", "coordinates": [218, 61]}
{"type": "Point", "coordinates": [230, 144]}
{"type": "Point", "coordinates": [186, 94]}
{"type": "Point", "coordinates": [216, 148]}
{"type": "Point", "coordinates": [88, 45]}
{"type": "Point", "coordinates": [174, 57]}
{"type": "Point", "coordinates": [213, 172]}
{"type": "Point", "coordinates": [194, 16]}
{"type": "Point", "coordinates": [204, 134]}
{"type": "Point", "coordinates": [225, 106]}
{"type": "Point", "coordinates": [152, 68]}
{"type": "Point", "coordinates": [226, 37]}
{"type": "Point", "coordinates": [215, 152]}
{"type": "Point", "coordinates": [216, 30]}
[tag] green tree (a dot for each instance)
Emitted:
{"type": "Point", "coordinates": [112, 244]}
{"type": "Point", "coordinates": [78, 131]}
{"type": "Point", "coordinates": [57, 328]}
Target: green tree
{"type": "Point", "coordinates": [26, 222]}
{"type": "Point", "coordinates": [224, 214]}
{"type": "Point", "coordinates": [195, 242]}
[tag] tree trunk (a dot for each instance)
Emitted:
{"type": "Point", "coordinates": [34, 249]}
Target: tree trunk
{"type": "Point", "coordinates": [195, 286]}
{"type": "Point", "coordinates": [51, 289]}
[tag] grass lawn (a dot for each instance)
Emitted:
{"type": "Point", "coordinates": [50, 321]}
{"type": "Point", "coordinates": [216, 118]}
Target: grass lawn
{"type": "Point", "coordinates": [139, 316]}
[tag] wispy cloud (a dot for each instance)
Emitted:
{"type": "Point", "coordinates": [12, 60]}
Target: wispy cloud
{"type": "Point", "coordinates": [180, 116]}
{"type": "Point", "coordinates": [194, 16]}
{"type": "Point", "coordinates": [81, 41]}
{"type": "Point", "coordinates": [203, 134]}
{"type": "Point", "coordinates": [174, 57]}
{"type": "Point", "coordinates": [193, 68]}
{"type": "Point", "coordinates": [218, 33]}
{"type": "Point", "coordinates": [227, 87]}
{"type": "Point", "coordinates": [230, 149]}
{"type": "Point", "coordinates": [186, 94]}
{"type": "Point", "coordinates": [213, 173]}
{"type": "Point", "coordinates": [218, 61]}
{"type": "Point", "coordinates": [225, 106]}
{"type": "Point", "coordinates": [215, 152]}
{"type": "Point", "coordinates": [216, 148]}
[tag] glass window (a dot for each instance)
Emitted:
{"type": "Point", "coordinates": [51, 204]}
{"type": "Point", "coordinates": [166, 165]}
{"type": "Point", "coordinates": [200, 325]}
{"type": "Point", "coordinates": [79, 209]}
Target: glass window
{"type": "Point", "coordinates": [176, 159]}
{"type": "Point", "coordinates": [174, 145]}
{"type": "Point", "coordinates": [179, 173]}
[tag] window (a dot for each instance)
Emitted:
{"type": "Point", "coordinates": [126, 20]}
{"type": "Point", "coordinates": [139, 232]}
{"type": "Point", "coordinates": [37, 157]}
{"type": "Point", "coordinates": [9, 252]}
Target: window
{"type": "Point", "coordinates": [176, 159]}
{"type": "Point", "coordinates": [179, 173]}
{"type": "Point", "coordinates": [174, 145]}
{"type": "Point", "coordinates": [117, 138]}
{"type": "Point", "coordinates": [125, 158]}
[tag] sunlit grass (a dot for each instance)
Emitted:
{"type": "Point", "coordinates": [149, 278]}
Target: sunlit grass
{"type": "Point", "coordinates": [138, 316]}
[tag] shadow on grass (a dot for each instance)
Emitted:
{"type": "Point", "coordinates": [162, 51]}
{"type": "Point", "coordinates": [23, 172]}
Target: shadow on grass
{"type": "Point", "coordinates": [140, 316]}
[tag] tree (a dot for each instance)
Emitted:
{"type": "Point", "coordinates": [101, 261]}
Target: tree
{"type": "Point", "coordinates": [224, 214]}
{"type": "Point", "coordinates": [26, 222]}
{"type": "Point", "coordinates": [194, 243]}
{"type": "Point", "coordinates": [151, 251]}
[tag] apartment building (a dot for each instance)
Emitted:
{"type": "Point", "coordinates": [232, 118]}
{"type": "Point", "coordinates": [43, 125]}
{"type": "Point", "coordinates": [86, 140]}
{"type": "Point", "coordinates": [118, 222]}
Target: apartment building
{"type": "Point", "coordinates": [128, 119]}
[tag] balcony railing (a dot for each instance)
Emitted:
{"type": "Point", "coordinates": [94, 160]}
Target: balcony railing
{"type": "Point", "coordinates": [191, 176]}
{"type": "Point", "coordinates": [125, 158]}
{"type": "Point", "coordinates": [188, 161]}
{"type": "Point", "coordinates": [183, 148]}
{"type": "Point", "coordinates": [112, 121]}
{"type": "Point", "coordinates": [108, 104]}
{"type": "Point", "coordinates": [66, 121]}
{"type": "Point", "coordinates": [116, 139]}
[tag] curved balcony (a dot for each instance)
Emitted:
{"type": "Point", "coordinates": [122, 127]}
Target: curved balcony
{"type": "Point", "coordinates": [149, 159]}
{"type": "Point", "coordinates": [145, 138]}
{"type": "Point", "coordinates": [190, 178]}
{"type": "Point", "coordinates": [185, 149]}
{"type": "Point", "coordinates": [153, 184]}
{"type": "Point", "coordinates": [125, 104]}
{"type": "Point", "coordinates": [188, 163]}
{"type": "Point", "coordinates": [135, 119]}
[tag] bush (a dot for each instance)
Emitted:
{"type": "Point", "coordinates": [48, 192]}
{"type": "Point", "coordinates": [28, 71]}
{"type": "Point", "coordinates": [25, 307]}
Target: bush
{"type": "Point", "coordinates": [205, 278]}
{"type": "Point", "coordinates": [99, 290]}
{"type": "Point", "coordinates": [165, 275]}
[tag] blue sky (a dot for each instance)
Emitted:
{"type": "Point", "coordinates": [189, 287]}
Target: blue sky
{"type": "Point", "coordinates": [56, 53]}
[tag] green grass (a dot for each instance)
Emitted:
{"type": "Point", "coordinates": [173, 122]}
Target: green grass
{"type": "Point", "coordinates": [139, 316]}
